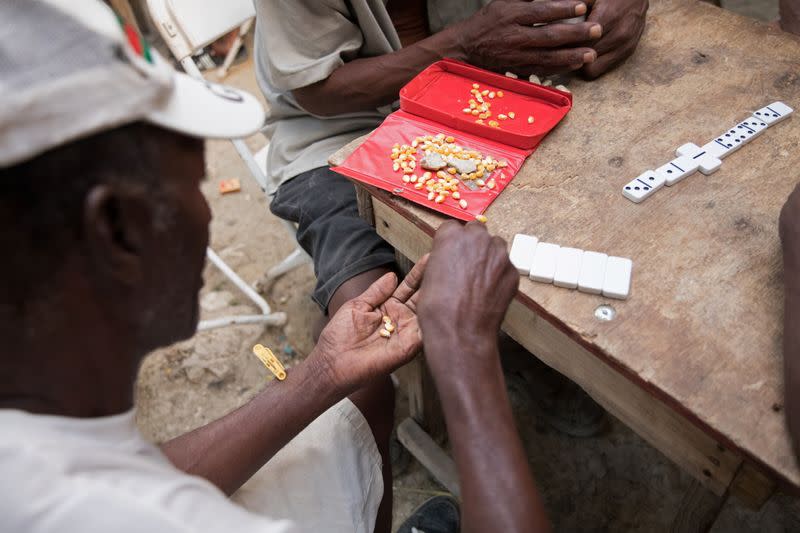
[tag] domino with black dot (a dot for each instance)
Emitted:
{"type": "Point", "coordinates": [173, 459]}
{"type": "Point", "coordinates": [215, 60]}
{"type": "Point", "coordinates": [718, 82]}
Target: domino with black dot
{"type": "Point", "coordinates": [643, 186]}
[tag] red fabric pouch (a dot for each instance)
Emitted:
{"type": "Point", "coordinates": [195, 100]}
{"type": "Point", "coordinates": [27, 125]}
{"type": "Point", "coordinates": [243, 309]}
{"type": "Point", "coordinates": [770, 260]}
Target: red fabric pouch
{"type": "Point", "coordinates": [433, 103]}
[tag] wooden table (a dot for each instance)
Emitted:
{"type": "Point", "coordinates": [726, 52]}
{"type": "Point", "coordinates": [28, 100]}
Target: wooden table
{"type": "Point", "coordinates": [692, 361]}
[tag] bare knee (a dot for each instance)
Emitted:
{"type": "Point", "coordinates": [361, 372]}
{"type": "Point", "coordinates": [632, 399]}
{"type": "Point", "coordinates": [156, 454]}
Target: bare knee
{"type": "Point", "coordinates": [353, 287]}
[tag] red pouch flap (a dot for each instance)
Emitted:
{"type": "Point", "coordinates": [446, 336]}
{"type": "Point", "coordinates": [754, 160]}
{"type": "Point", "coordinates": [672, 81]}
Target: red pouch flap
{"type": "Point", "coordinates": [442, 91]}
{"type": "Point", "coordinates": [370, 163]}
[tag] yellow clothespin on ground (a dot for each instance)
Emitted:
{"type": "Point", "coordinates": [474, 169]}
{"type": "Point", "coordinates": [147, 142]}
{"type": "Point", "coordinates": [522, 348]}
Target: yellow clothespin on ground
{"type": "Point", "coordinates": [270, 361]}
{"type": "Point", "coordinates": [229, 186]}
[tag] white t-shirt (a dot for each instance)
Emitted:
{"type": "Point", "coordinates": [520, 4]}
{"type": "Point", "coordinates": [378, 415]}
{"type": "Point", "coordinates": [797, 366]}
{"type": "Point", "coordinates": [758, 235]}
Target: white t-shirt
{"type": "Point", "coordinates": [68, 475]}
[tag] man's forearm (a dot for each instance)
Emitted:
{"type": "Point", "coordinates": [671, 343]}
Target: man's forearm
{"type": "Point", "coordinates": [791, 352]}
{"type": "Point", "coordinates": [368, 83]}
{"type": "Point", "coordinates": [498, 490]}
{"type": "Point", "coordinates": [230, 450]}
{"type": "Point", "coordinates": [790, 15]}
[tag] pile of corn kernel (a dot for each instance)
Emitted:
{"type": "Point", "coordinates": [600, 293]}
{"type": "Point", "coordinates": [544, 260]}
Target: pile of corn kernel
{"type": "Point", "coordinates": [444, 183]}
{"type": "Point", "coordinates": [388, 327]}
{"type": "Point", "coordinates": [479, 107]}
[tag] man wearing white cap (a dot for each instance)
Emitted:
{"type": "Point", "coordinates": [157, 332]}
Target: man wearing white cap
{"type": "Point", "coordinates": [105, 229]}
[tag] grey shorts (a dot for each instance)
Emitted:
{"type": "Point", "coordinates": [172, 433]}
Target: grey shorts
{"type": "Point", "coordinates": [323, 205]}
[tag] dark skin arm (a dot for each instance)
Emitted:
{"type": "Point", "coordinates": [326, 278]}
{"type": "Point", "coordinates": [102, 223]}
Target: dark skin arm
{"type": "Point", "coordinates": [350, 353]}
{"type": "Point", "coordinates": [623, 23]}
{"type": "Point", "coordinates": [790, 16]}
{"type": "Point", "coordinates": [462, 304]}
{"type": "Point", "coordinates": [498, 37]}
{"type": "Point", "coordinates": [790, 240]}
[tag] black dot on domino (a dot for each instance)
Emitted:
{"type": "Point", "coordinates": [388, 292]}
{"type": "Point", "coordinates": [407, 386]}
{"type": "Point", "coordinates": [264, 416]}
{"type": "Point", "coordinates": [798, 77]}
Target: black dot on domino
{"type": "Point", "coordinates": [627, 187]}
{"type": "Point", "coordinates": [668, 171]}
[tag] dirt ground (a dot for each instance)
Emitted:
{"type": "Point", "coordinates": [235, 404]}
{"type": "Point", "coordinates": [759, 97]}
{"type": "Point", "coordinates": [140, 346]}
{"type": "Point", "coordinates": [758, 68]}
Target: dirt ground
{"type": "Point", "coordinates": [612, 482]}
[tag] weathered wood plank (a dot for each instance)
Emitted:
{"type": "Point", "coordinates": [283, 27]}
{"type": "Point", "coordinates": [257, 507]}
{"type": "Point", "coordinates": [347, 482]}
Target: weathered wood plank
{"type": "Point", "coordinates": [752, 487]}
{"type": "Point", "coordinates": [429, 454]}
{"type": "Point", "coordinates": [698, 511]}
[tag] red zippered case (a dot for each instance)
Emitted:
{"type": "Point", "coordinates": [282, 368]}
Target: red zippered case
{"type": "Point", "coordinates": [433, 103]}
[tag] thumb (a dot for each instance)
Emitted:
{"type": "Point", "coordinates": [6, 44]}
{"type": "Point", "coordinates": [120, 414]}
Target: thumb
{"type": "Point", "coordinates": [380, 291]}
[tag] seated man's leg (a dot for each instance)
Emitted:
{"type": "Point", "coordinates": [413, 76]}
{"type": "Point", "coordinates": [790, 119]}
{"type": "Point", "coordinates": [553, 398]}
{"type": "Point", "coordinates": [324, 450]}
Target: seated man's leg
{"type": "Point", "coordinates": [348, 254]}
{"type": "Point", "coordinates": [348, 257]}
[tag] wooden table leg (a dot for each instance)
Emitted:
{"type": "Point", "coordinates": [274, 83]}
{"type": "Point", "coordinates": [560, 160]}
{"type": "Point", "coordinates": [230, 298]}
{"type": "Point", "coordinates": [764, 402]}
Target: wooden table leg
{"type": "Point", "coordinates": [364, 201]}
{"type": "Point", "coordinates": [431, 456]}
{"type": "Point", "coordinates": [698, 510]}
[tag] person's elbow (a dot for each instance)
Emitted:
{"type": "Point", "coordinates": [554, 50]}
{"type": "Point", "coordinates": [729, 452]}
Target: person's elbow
{"type": "Point", "coordinates": [337, 95]}
{"type": "Point", "coordinates": [317, 99]}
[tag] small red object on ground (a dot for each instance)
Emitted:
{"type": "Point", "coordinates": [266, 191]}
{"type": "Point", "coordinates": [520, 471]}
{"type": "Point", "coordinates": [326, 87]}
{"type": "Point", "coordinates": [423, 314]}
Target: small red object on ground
{"type": "Point", "coordinates": [229, 186]}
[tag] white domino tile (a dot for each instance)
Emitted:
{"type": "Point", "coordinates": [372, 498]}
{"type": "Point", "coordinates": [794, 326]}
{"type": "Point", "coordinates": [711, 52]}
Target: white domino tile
{"type": "Point", "coordinates": [774, 113]}
{"type": "Point", "coordinates": [568, 268]}
{"type": "Point", "coordinates": [617, 280]}
{"type": "Point", "coordinates": [708, 158]}
{"type": "Point", "coordinates": [642, 186]}
{"type": "Point", "coordinates": [707, 163]}
{"type": "Point", "coordinates": [522, 250]}
{"type": "Point", "coordinates": [718, 149]}
{"type": "Point", "coordinates": [544, 262]}
{"type": "Point", "coordinates": [677, 169]}
{"type": "Point", "coordinates": [593, 272]}
{"type": "Point", "coordinates": [732, 140]}
{"type": "Point", "coordinates": [755, 126]}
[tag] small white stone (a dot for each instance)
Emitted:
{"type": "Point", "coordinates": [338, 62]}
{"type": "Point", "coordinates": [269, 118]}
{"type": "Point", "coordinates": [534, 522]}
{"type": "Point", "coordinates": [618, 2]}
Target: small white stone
{"type": "Point", "coordinates": [463, 166]}
{"type": "Point", "coordinates": [433, 161]}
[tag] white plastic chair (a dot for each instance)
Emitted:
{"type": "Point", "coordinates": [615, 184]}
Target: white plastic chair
{"type": "Point", "coordinates": [187, 26]}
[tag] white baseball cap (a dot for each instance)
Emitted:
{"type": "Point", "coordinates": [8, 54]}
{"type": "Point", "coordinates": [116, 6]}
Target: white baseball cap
{"type": "Point", "coordinates": [70, 69]}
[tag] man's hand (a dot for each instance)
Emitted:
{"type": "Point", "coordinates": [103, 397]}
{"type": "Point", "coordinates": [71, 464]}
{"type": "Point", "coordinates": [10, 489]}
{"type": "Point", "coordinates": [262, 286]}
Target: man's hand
{"type": "Point", "coordinates": [351, 349]}
{"type": "Point", "coordinates": [501, 36]}
{"type": "Point", "coordinates": [623, 23]}
{"type": "Point", "coordinates": [468, 286]}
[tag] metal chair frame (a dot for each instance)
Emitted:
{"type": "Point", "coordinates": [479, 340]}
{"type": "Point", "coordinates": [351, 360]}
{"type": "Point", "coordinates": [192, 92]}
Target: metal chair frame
{"type": "Point", "coordinates": [174, 32]}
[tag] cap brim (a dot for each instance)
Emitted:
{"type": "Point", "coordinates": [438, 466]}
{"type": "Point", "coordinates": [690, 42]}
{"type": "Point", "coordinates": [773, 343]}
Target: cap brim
{"type": "Point", "coordinates": [203, 109]}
